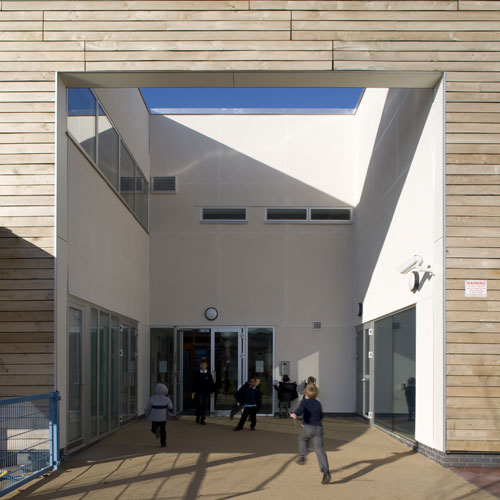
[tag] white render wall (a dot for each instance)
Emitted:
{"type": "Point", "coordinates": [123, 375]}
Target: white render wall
{"type": "Point", "coordinates": [386, 161]}
{"type": "Point", "coordinates": [399, 213]}
{"type": "Point", "coordinates": [285, 276]}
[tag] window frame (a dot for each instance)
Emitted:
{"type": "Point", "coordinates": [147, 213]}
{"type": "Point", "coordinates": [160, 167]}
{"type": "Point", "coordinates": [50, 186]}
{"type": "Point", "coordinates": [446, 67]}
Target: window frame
{"type": "Point", "coordinates": [286, 221]}
{"type": "Point", "coordinates": [308, 219]}
{"type": "Point", "coordinates": [223, 221]}
{"type": "Point", "coordinates": [329, 221]}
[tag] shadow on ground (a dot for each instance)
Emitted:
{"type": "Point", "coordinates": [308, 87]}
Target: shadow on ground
{"type": "Point", "coordinates": [212, 462]}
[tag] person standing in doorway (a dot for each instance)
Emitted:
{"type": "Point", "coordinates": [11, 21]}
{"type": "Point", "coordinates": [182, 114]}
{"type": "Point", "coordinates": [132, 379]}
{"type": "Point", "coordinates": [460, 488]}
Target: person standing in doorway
{"type": "Point", "coordinates": [203, 388]}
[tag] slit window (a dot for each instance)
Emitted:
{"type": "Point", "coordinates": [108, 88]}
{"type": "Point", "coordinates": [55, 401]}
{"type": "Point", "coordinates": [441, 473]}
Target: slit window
{"type": "Point", "coordinates": [286, 214]}
{"type": "Point", "coordinates": [316, 215]}
{"type": "Point", "coordinates": [330, 214]}
{"type": "Point", "coordinates": [224, 214]}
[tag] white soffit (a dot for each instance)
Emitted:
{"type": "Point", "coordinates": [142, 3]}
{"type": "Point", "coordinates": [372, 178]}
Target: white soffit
{"type": "Point", "coordinates": [373, 79]}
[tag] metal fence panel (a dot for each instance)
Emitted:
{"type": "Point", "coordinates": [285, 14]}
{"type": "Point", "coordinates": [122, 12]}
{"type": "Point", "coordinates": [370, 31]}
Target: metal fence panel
{"type": "Point", "coordinates": [29, 444]}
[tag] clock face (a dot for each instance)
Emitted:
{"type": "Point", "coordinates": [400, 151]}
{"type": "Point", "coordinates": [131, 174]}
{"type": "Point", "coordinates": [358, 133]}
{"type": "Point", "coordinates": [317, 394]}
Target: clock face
{"type": "Point", "coordinates": [211, 313]}
{"type": "Point", "coordinates": [414, 281]}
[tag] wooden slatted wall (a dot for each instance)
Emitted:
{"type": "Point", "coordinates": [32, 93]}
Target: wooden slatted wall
{"type": "Point", "coordinates": [461, 37]}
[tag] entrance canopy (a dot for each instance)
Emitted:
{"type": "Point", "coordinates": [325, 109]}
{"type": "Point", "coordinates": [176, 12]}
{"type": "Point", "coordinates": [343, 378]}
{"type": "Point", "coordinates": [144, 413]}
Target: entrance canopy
{"type": "Point", "coordinates": [374, 79]}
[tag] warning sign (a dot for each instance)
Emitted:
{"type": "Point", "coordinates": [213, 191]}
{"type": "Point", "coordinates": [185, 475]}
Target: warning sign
{"type": "Point", "coordinates": [476, 288]}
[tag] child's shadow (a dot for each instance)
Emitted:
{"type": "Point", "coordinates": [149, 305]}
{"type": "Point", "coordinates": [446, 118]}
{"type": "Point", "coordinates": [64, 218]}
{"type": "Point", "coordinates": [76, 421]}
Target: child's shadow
{"type": "Point", "coordinates": [371, 465]}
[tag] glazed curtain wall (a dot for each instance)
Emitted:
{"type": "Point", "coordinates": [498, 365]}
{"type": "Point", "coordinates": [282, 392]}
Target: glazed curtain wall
{"type": "Point", "coordinates": [395, 373]}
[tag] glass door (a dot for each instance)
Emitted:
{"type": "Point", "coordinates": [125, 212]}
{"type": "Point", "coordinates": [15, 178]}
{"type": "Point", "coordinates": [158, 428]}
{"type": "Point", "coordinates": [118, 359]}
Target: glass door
{"type": "Point", "coordinates": [233, 355]}
{"type": "Point", "coordinates": [260, 361]}
{"type": "Point", "coordinates": [363, 370]}
{"type": "Point", "coordinates": [124, 379]}
{"type": "Point", "coordinates": [75, 380]}
{"type": "Point", "coordinates": [128, 371]}
{"type": "Point", "coordinates": [226, 366]}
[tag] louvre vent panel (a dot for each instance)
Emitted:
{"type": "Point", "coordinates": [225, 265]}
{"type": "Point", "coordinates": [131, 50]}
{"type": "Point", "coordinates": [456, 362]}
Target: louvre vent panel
{"type": "Point", "coordinates": [164, 185]}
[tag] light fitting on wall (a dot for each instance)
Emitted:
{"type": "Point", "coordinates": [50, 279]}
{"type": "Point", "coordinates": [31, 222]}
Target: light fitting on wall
{"type": "Point", "coordinates": [414, 264]}
{"type": "Point", "coordinates": [211, 313]}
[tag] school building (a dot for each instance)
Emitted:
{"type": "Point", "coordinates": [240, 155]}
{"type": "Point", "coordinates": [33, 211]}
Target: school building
{"type": "Point", "coordinates": [358, 248]}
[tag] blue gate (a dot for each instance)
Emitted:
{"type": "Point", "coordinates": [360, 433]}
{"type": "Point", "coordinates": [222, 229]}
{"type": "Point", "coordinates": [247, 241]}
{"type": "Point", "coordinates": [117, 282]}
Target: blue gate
{"type": "Point", "coordinates": [29, 444]}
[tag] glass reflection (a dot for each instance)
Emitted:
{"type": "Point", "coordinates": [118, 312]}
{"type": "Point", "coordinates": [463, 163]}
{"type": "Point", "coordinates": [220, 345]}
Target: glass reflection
{"type": "Point", "coordinates": [260, 362]}
{"type": "Point", "coordinates": [82, 119]}
{"type": "Point", "coordinates": [395, 382]}
{"type": "Point", "coordinates": [108, 141]}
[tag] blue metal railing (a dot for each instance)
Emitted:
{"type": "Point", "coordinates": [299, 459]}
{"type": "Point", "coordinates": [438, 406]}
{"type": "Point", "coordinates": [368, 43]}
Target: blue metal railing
{"type": "Point", "coordinates": [29, 444]}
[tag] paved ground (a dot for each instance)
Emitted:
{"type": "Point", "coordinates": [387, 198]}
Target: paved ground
{"type": "Point", "coordinates": [214, 463]}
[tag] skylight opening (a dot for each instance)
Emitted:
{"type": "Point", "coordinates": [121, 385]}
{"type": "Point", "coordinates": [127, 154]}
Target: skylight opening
{"type": "Point", "coordinates": [252, 100]}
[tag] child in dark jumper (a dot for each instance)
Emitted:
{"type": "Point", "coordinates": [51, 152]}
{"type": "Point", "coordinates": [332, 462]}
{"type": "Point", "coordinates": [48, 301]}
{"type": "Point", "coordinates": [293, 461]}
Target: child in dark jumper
{"type": "Point", "coordinates": [203, 389]}
{"type": "Point", "coordinates": [287, 392]}
{"type": "Point", "coordinates": [250, 396]}
{"type": "Point", "coordinates": [312, 430]}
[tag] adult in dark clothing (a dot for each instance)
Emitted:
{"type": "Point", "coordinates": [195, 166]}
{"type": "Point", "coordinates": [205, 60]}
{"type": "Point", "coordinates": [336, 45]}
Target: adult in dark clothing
{"type": "Point", "coordinates": [312, 430]}
{"type": "Point", "coordinates": [287, 392]}
{"type": "Point", "coordinates": [203, 388]}
{"type": "Point", "coordinates": [250, 396]}
{"type": "Point", "coordinates": [410, 397]}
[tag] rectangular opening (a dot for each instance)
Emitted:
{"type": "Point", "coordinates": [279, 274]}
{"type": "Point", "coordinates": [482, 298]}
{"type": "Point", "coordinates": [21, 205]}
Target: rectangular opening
{"type": "Point", "coordinates": [224, 214]}
{"type": "Point", "coordinates": [164, 184]}
{"type": "Point", "coordinates": [286, 214]}
{"type": "Point", "coordinates": [330, 214]}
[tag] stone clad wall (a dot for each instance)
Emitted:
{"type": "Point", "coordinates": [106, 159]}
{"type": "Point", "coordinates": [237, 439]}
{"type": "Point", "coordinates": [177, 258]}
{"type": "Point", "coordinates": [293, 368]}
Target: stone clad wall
{"type": "Point", "coordinates": [38, 38]}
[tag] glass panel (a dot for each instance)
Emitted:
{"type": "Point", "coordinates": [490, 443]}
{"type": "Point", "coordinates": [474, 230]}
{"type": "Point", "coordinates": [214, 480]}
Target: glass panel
{"type": "Point", "coordinates": [224, 214]}
{"type": "Point", "coordinates": [226, 368]}
{"type": "Point", "coordinates": [284, 214]}
{"type": "Point", "coordinates": [124, 382]}
{"type": "Point", "coordinates": [141, 197]}
{"type": "Point", "coordinates": [395, 373]}
{"type": "Point", "coordinates": [94, 358]}
{"type": "Point", "coordinates": [114, 367]}
{"type": "Point", "coordinates": [81, 118]}
{"type": "Point", "coordinates": [74, 374]}
{"type": "Point", "coordinates": [108, 141]}
{"type": "Point", "coordinates": [103, 372]}
{"type": "Point", "coordinates": [132, 369]}
{"type": "Point", "coordinates": [196, 345]}
{"type": "Point", "coordinates": [330, 214]}
{"type": "Point", "coordinates": [403, 383]}
{"type": "Point", "coordinates": [359, 371]}
{"type": "Point", "coordinates": [260, 362]}
{"type": "Point", "coordinates": [162, 358]}
{"type": "Point", "coordinates": [127, 177]}
{"type": "Point", "coordinates": [383, 373]}
{"type": "Point", "coordinates": [366, 373]}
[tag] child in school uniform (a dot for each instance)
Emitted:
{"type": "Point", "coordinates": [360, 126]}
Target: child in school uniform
{"type": "Point", "coordinates": [203, 389]}
{"type": "Point", "coordinates": [287, 392]}
{"type": "Point", "coordinates": [250, 396]}
{"type": "Point", "coordinates": [156, 410]}
{"type": "Point", "coordinates": [312, 430]}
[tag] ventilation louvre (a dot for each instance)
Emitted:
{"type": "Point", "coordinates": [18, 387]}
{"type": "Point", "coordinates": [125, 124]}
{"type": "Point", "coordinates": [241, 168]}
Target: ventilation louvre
{"type": "Point", "coordinates": [316, 325]}
{"type": "Point", "coordinates": [164, 185]}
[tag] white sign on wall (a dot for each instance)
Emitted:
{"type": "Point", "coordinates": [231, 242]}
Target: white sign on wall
{"type": "Point", "coordinates": [476, 288]}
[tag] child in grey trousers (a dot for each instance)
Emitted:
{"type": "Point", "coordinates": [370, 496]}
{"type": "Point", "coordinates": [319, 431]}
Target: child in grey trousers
{"type": "Point", "coordinates": [156, 411]}
{"type": "Point", "coordinates": [312, 430]}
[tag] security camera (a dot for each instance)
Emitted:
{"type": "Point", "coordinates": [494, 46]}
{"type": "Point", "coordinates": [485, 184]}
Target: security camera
{"type": "Point", "coordinates": [411, 263]}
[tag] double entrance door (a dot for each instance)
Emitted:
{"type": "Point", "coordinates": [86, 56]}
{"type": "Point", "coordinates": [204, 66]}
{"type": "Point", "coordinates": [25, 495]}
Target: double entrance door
{"type": "Point", "coordinates": [232, 354]}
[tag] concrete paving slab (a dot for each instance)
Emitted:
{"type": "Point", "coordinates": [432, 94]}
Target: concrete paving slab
{"type": "Point", "coordinates": [214, 463]}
